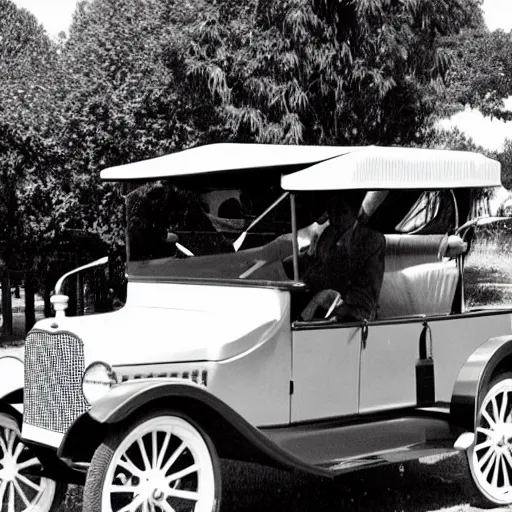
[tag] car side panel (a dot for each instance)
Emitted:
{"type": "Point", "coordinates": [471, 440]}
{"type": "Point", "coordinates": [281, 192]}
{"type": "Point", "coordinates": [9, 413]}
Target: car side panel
{"type": "Point", "coordinates": [388, 367]}
{"type": "Point", "coordinates": [455, 339]}
{"type": "Point", "coordinates": [325, 372]}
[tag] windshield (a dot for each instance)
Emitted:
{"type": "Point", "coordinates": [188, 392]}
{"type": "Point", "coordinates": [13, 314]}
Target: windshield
{"type": "Point", "coordinates": [197, 231]}
{"type": "Point", "coordinates": [243, 231]}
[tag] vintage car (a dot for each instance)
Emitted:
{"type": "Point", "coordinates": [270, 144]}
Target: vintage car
{"type": "Point", "coordinates": [212, 356]}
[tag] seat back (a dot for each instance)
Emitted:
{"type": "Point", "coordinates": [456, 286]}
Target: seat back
{"type": "Point", "coordinates": [416, 280]}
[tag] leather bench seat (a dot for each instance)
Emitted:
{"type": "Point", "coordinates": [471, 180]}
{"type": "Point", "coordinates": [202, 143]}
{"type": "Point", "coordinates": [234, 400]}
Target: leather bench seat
{"type": "Point", "coordinates": [417, 279]}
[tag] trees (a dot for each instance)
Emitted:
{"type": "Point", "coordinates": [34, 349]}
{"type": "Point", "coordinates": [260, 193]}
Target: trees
{"type": "Point", "coordinates": [481, 74]}
{"type": "Point", "coordinates": [27, 59]}
{"type": "Point", "coordinates": [309, 71]}
{"type": "Point", "coordinates": [153, 76]}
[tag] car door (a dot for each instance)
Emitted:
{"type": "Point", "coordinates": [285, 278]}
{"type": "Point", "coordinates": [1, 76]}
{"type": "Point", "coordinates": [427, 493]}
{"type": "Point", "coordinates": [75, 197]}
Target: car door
{"type": "Point", "coordinates": [325, 371]}
{"type": "Point", "coordinates": [388, 362]}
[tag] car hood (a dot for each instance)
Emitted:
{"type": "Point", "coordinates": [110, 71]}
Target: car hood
{"type": "Point", "coordinates": [142, 334]}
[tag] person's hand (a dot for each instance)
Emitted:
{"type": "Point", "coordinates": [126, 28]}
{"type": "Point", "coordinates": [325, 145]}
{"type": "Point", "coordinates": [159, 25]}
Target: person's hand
{"type": "Point", "coordinates": [326, 299]}
{"type": "Point", "coordinates": [315, 230]}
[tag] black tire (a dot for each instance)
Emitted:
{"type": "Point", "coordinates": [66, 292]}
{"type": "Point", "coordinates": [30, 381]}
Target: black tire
{"type": "Point", "coordinates": [103, 460]}
{"type": "Point", "coordinates": [53, 494]}
{"type": "Point", "coordinates": [484, 493]}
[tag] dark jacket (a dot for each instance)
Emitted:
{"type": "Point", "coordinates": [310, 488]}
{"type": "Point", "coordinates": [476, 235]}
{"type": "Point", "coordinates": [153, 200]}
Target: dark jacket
{"type": "Point", "coordinates": [352, 263]}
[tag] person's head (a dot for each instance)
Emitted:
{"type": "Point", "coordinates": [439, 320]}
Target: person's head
{"type": "Point", "coordinates": [344, 207]}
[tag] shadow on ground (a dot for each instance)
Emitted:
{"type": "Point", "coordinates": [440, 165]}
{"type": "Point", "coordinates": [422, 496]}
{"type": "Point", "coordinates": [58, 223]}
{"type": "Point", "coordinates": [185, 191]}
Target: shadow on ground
{"type": "Point", "coordinates": [419, 487]}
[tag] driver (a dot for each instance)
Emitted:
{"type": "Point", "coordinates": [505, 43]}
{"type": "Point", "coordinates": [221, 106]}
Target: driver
{"type": "Point", "coordinates": [348, 260]}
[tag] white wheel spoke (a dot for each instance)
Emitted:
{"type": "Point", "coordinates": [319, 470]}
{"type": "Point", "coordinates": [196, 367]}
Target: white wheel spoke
{"type": "Point", "coordinates": [484, 444]}
{"type": "Point", "coordinates": [486, 415]}
{"type": "Point", "coordinates": [3, 446]}
{"type": "Point", "coordinates": [10, 441]}
{"type": "Point", "coordinates": [124, 488]}
{"type": "Point", "coordinates": [154, 449]}
{"type": "Point", "coordinates": [28, 463]}
{"type": "Point", "coordinates": [18, 450]}
{"type": "Point", "coordinates": [490, 465]}
{"type": "Point", "coordinates": [144, 454]}
{"type": "Point", "coordinates": [21, 494]}
{"type": "Point", "coordinates": [496, 471]}
{"type": "Point", "coordinates": [508, 456]}
{"type": "Point", "coordinates": [485, 458]}
{"type": "Point", "coordinates": [174, 457]}
{"type": "Point", "coordinates": [10, 506]}
{"type": "Point", "coordinates": [504, 405]}
{"type": "Point", "coordinates": [185, 495]}
{"type": "Point", "coordinates": [495, 410]}
{"type": "Point", "coordinates": [145, 506]}
{"type": "Point", "coordinates": [166, 507]}
{"type": "Point", "coordinates": [506, 480]}
{"type": "Point", "coordinates": [133, 506]}
{"type": "Point", "coordinates": [163, 450]}
{"type": "Point", "coordinates": [129, 465]}
{"type": "Point", "coordinates": [184, 472]}
{"type": "Point", "coordinates": [26, 481]}
{"type": "Point", "coordinates": [3, 486]}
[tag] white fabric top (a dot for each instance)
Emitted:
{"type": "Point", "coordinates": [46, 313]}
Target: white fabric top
{"type": "Point", "coordinates": [223, 157]}
{"type": "Point", "coordinates": [387, 168]}
{"type": "Point", "coordinates": [328, 167]}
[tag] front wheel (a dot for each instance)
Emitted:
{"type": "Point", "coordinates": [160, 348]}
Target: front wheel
{"type": "Point", "coordinates": [21, 489]}
{"type": "Point", "coordinates": [490, 457]}
{"type": "Point", "coordinates": [162, 462]}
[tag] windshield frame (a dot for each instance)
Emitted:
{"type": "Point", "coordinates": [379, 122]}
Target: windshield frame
{"type": "Point", "coordinates": [136, 272]}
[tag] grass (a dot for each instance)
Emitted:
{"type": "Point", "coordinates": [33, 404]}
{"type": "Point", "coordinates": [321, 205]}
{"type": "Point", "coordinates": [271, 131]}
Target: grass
{"type": "Point", "coordinates": [488, 271]}
{"type": "Point", "coordinates": [435, 484]}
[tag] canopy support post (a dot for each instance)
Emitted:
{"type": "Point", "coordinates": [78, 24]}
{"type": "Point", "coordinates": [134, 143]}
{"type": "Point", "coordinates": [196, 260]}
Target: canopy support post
{"type": "Point", "coordinates": [294, 239]}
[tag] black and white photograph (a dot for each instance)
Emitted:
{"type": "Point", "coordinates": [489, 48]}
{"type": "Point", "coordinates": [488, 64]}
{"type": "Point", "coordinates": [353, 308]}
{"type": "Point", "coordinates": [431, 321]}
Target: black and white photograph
{"type": "Point", "coordinates": [255, 255]}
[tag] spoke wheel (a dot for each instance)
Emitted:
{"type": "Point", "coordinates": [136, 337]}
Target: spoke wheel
{"type": "Point", "coordinates": [21, 490]}
{"type": "Point", "coordinates": [490, 458]}
{"type": "Point", "coordinates": [162, 463]}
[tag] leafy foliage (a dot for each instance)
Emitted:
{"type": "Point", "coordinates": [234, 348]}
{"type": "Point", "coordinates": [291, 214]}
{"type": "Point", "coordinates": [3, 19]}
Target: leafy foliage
{"type": "Point", "coordinates": [481, 74]}
{"type": "Point", "coordinates": [316, 72]}
{"type": "Point", "coordinates": [505, 158]}
{"type": "Point", "coordinates": [141, 78]}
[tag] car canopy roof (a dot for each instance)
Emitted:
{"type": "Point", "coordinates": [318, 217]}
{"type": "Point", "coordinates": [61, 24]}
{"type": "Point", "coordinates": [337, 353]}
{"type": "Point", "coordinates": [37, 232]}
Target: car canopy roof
{"type": "Point", "coordinates": [325, 167]}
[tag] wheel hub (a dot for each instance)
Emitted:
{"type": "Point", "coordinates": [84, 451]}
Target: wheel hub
{"type": "Point", "coordinates": [8, 469]}
{"type": "Point", "coordinates": [158, 495]}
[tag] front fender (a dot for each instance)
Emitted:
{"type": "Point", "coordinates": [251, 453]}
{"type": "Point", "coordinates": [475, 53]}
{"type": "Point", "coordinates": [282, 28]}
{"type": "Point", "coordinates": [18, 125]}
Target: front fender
{"type": "Point", "coordinates": [474, 376]}
{"type": "Point", "coordinates": [11, 380]}
{"type": "Point", "coordinates": [232, 435]}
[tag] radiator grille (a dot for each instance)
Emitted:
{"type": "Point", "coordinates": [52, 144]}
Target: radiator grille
{"type": "Point", "coordinates": [54, 366]}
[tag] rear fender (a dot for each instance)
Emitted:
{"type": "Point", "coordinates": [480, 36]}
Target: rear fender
{"type": "Point", "coordinates": [232, 435]}
{"type": "Point", "coordinates": [487, 361]}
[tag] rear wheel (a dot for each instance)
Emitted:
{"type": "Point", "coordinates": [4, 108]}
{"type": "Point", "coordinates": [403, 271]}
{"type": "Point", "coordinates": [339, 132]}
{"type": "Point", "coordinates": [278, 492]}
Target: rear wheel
{"type": "Point", "coordinates": [162, 462]}
{"type": "Point", "coordinates": [21, 490]}
{"type": "Point", "coordinates": [490, 457]}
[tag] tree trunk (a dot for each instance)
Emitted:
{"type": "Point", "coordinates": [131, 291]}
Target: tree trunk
{"type": "Point", "coordinates": [30, 309]}
{"type": "Point", "coordinates": [7, 327]}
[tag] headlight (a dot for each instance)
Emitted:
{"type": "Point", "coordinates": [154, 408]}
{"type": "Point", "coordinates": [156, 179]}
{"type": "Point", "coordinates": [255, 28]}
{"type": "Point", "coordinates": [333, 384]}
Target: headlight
{"type": "Point", "coordinates": [98, 379]}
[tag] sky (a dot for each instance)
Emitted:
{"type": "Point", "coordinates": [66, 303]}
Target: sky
{"type": "Point", "coordinates": [55, 16]}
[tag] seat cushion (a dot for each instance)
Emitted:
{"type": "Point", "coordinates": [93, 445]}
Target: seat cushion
{"type": "Point", "coordinates": [416, 280]}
